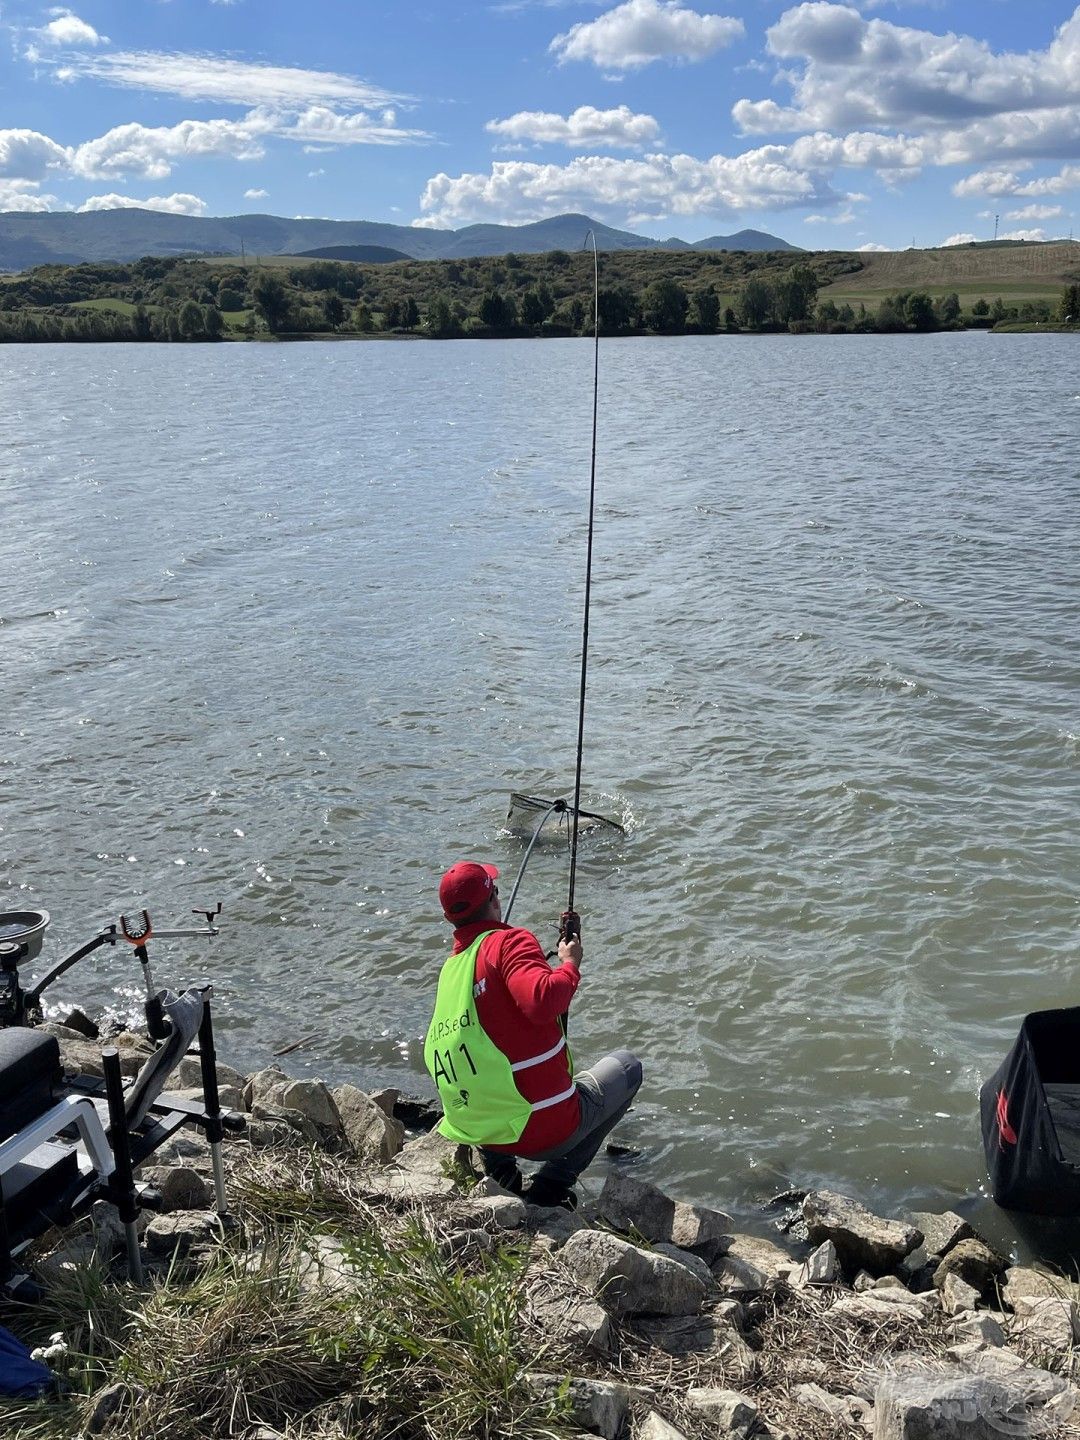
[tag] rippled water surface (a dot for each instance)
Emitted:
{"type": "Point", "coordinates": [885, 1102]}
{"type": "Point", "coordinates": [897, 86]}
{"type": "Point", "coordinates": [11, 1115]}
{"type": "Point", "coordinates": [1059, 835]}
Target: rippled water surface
{"type": "Point", "coordinates": [283, 626]}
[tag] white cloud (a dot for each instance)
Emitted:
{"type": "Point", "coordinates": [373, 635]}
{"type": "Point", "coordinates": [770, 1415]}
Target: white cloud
{"type": "Point", "coordinates": [641, 31]}
{"type": "Point", "coordinates": [25, 196]}
{"type": "Point", "coordinates": [315, 174]}
{"type": "Point", "coordinates": [235, 82]}
{"type": "Point", "coordinates": [1035, 212]}
{"type": "Point", "coordinates": [178, 204]}
{"type": "Point", "coordinates": [1008, 182]}
{"type": "Point", "coordinates": [961, 239]}
{"type": "Point", "coordinates": [318, 125]}
{"type": "Point", "coordinates": [1023, 235]}
{"type": "Point", "coordinates": [256, 194]}
{"type": "Point", "coordinates": [151, 152]}
{"type": "Point", "coordinates": [67, 29]}
{"type": "Point", "coordinates": [27, 155]}
{"type": "Point", "coordinates": [655, 186]}
{"type": "Point", "coordinates": [619, 128]}
{"type": "Point", "coordinates": [872, 249]}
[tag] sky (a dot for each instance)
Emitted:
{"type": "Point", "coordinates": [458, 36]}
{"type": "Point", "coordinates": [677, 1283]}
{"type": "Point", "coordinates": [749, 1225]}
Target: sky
{"type": "Point", "coordinates": [866, 125]}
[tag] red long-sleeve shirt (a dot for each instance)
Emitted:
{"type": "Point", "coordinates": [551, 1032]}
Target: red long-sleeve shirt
{"type": "Point", "coordinates": [519, 999]}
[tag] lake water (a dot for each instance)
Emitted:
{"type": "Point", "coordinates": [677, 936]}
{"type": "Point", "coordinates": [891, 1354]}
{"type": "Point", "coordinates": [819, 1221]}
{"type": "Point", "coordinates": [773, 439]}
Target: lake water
{"type": "Point", "coordinates": [283, 625]}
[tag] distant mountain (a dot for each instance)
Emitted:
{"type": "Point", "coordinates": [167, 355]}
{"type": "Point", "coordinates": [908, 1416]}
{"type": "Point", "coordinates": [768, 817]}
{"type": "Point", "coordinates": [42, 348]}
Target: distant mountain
{"type": "Point", "coordinates": [67, 238]}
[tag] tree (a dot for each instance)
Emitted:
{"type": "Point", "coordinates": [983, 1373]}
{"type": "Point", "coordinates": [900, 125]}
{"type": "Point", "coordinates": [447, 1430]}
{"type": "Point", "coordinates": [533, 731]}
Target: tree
{"type": "Point", "coordinates": [191, 321]}
{"type": "Point", "coordinates": [498, 312]}
{"type": "Point", "coordinates": [333, 309]}
{"type": "Point", "coordinates": [919, 312]}
{"type": "Point", "coordinates": [213, 323]}
{"type": "Point", "coordinates": [731, 320]}
{"type": "Point", "coordinates": [441, 320]}
{"type": "Point", "coordinates": [532, 312]}
{"type": "Point", "coordinates": [271, 300]}
{"type": "Point", "coordinates": [363, 320]}
{"type": "Point", "coordinates": [663, 305]}
{"type": "Point", "coordinates": [1069, 309]}
{"type": "Point", "coordinates": [980, 308]}
{"type": "Point", "coordinates": [796, 294]}
{"type": "Point", "coordinates": [410, 315]}
{"type": "Point", "coordinates": [229, 299]}
{"type": "Point", "coordinates": [950, 309]}
{"type": "Point", "coordinates": [706, 310]}
{"type": "Point", "coordinates": [754, 302]}
{"type": "Point", "coordinates": [617, 307]}
{"type": "Point", "coordinates": [394, 313]}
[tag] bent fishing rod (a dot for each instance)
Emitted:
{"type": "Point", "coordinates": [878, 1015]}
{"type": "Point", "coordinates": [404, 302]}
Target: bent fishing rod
{"type": "Point", "coordinates": [569, 925]}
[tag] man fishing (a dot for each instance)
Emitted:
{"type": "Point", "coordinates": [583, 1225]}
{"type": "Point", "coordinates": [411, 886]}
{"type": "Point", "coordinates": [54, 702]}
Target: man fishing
{"type": "Point", "coordinates": [496, 1047]}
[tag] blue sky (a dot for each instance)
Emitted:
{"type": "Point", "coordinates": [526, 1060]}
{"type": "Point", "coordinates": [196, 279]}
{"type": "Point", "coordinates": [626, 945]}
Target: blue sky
{"type": "Point", "coordinates": [862, 125]}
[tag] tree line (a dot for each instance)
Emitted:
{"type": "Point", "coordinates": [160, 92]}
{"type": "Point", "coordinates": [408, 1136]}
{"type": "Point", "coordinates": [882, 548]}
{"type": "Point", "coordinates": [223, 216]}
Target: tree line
{"type": "Point", "coordinates": [643, 292]}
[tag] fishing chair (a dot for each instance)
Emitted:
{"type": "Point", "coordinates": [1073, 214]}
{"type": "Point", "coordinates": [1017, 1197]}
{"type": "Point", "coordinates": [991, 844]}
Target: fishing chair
{"type": "Point", "coordinates": [65, 1143]}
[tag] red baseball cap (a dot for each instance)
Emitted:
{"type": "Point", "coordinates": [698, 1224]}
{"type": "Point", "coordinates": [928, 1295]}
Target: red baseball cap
{"type": "Point", "coordinates": [466, 888]}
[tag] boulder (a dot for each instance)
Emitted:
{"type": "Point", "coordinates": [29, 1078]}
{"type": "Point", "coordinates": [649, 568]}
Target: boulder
{"type": "Point", "coordinates": [957, 1295]}
{"type": "Point", "coordinates": [265, 1085]}
{"type": "Point", "coordinates": [373, 1134]}
{"type": "Point", "coordinates": [597, 1406]}
{"type": "Point", "coordinates": [693, 1263]}
{"type": "Point", "coordinates": [314, 1101]}
{"type": "Point", "coordinates": [655, 1427]}
{"type": "Point", "coordinates": [188, 1075]}
{"type": "Point", "coordinates": [845, 1408]}
{"type": "Point", "coordinates": [562, 1313]}
{"type": "Point", "coordinates": [434, 1156]}
{"type": "Point", "coordinates": [168, 1235]}
{"type": "Point", "coordinates": [78, 1021]}
{"type": "Point", "coordinates": [1021, 1281]}
{"type": "Point", "coordinates": [327, 1265]}
{"type": "Point", "coordinates": [552, 1228]}
{"type": "Point", "coordinates": [873, 1306]}
{"type": "Point", "coordinates": [386, 1099]}
{"type": "Point", "coordinates": [727, 1410]}
{"type": "Point", "coordinates": [751, 1264]}
{"type": "Point", "coordinates": [978, 1326]}
{"type": "Point", "coordinates": [180, 1187]}
{"type": "Point", "coordinates": [277, 1115]}
{"type": "Point", "coordinates": [629, 1281]}
{"type": "Point", "coordinates": [937, 1402]}
{"type": "Point", "coordinates": [497, 1212]}
{"type": "Point", "coordinates": [1048, 1324]}
{"type": "Point", "coordinates": [974, 1262]}
{"type": "Point", "coordinates": [941, 1231]}
{"type": "Point", "coordinates": [706, 1232]}
{"type": "Point", "coordinates": [863, 1240]}
{"type": "Point", "coordinates": [821, 1267]}
{"type": "Point", "coordinates": [633, 1205]}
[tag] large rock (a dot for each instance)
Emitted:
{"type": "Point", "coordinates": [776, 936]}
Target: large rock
{"type": "Point", "coordinates": [873, 1306]}
{"type": "Point", "coordinates": [314, 1101]}
{"type": "Point", "coordinates": [1048, 1324]}
{"type": "Point", "coordinates": [180, 1187]}
{"type": "Point", "coordinates": [936, 1402]}
{"type": "Point", "coordinates": [629, 1281]}
{"type": "Point", "coordinates": [974, 1262]}
{"type": "Point", "coordinates": [957, 1295]}
{"type": "Point", "coordinates": [751, 1264]}
{"type": "Point", "coordinates": [1022, 1282]}
{"type": "Point", "coordinates": [433, 1155]}
{"type": "Point", "coordinates": [728, 1411]}
{"type": "Point", "coordinates": [941, 1231]}
{"type": "Point", "coordinates": [266, 1086]}
{"type": "Point", "coordinates": [706, 1232]}
{"type": "Point", "coordinates": [188, 1075]}
{"type": "Point", "coordinates": [563, 1314]}
{"type": "Point", "coordinates": [597, 1406]}
{"type": "Point", "coordinates": [277, 1116]}
{"type": "Point", "coordinates": [863, 1241]}
{"type": "Point", "coordinates": [373, 1134]}
{"type": "Point", "coordinates": [168, 1235]}
{"type": "Point", "coordinates": [634, 1205]}
{"type": "Point", "coordinates": [655, 1427]}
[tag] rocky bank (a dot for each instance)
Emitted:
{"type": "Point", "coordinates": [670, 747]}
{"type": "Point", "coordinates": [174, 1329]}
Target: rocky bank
{"type": "Point", "coordinates": [636, 1317]}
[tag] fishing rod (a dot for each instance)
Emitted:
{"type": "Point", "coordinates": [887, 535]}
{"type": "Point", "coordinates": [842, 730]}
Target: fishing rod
{"type": "Point", "coordinates": [569, 926]}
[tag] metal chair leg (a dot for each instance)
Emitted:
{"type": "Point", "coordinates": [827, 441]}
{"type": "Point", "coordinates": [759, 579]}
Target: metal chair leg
{"type": "Point", "coordinates": [122, 1181]}
{"type": "Point", "coordinates": [212, 1103]}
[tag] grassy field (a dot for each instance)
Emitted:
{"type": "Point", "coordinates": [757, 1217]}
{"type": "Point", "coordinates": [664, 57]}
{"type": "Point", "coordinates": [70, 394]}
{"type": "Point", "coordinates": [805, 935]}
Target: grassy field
{"type": "Point", "coordinates": [120, 307]}
{"type": "Point", "coordinates": [1015, 272]}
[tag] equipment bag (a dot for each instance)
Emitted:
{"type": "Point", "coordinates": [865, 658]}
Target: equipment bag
{"type": "Point", "coordinates": [1030, 1110]}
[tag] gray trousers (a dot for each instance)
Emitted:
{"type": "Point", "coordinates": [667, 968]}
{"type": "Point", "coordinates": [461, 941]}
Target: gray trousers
{"type": "Point", "coordinates": [605, 1092]}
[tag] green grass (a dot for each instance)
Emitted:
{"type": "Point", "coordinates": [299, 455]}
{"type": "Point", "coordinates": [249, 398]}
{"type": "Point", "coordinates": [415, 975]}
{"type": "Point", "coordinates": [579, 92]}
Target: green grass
{"type": "Point", "coordinates": [853, 290]}
{"type": "Point", "coordinates": [121, 307]}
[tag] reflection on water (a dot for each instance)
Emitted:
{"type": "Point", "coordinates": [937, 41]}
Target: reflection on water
{"type": "Point", "coordinates": [285, 625]}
